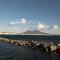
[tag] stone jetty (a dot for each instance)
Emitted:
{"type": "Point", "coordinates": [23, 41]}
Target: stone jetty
{"type": "Point", "coordinates": [48, 47]}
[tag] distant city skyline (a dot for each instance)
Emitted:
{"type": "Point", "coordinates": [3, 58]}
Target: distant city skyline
{"type": "Point", "coordinates": [23, 15]}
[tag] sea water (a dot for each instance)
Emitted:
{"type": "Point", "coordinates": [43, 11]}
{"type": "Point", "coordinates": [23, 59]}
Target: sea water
{"type": "Point", "coordinates": [12, 52]}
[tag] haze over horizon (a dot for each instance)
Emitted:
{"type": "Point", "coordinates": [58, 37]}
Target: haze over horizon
{"type": "Point", "coordinates": [23, 15]}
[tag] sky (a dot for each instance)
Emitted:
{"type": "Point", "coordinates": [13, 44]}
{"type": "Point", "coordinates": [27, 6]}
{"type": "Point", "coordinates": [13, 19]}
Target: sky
{"type": "Point", "coordinates": [23, 15]}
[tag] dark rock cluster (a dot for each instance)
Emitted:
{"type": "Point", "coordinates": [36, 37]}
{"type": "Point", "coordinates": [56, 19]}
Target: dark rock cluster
{"type": "Point", "coordinates": [48, 47]}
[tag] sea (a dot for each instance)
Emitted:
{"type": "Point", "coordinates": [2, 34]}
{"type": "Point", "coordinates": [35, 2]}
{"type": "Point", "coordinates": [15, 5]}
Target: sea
{"type": "Point", "coordinates": [13, 52]}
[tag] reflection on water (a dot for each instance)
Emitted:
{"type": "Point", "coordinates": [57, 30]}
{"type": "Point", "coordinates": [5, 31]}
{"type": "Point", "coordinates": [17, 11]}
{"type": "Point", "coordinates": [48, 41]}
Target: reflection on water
{"type": "Point", "coordinates": [11, 52]}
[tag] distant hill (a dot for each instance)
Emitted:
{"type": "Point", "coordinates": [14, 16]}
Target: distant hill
{"type": "Point", "coordinates": [35, 32]}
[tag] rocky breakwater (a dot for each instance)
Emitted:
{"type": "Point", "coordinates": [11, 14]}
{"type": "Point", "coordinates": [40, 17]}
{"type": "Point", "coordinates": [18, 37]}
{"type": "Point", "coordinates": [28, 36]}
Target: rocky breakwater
{"type": "Point", "coordinates": [48, 47]}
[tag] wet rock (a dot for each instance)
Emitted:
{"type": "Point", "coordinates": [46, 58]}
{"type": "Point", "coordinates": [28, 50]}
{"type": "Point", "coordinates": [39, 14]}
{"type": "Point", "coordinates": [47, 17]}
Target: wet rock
{"type": "Point", "coordinates": [18, 43]}
{"type": "Point", "coordinates": [48, 47]}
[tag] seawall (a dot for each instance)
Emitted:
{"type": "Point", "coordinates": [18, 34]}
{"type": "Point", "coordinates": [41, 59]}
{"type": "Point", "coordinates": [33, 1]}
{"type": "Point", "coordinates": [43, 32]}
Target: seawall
{"type": "Point", "coordinates": [48, 47]}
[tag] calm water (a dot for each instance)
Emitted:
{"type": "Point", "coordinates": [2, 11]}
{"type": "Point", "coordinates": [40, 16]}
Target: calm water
{"type": "Point", "coordinates": [12, 52]}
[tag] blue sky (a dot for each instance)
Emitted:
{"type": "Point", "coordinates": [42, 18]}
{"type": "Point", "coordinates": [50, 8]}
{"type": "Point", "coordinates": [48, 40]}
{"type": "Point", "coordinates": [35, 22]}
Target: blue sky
{"type": "Point", "coordinates": [42, 15]}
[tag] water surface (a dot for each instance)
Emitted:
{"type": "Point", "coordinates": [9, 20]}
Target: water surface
{"type": "Point", "coordinates": [12, 52]}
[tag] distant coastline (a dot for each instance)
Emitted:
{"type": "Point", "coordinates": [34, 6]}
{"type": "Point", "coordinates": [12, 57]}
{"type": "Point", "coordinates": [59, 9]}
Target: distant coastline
{"type": "Point", "coordinates": [35, 32]}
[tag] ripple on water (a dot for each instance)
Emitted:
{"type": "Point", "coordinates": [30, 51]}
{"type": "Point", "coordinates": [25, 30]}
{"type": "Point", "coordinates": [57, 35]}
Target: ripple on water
{"type": "Point", "coordinates": [12, 52]}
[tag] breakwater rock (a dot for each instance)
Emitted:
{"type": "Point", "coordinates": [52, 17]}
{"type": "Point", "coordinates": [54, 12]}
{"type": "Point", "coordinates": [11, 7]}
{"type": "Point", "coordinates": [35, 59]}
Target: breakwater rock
{"type": "Point", "coordinates": [48, 47]}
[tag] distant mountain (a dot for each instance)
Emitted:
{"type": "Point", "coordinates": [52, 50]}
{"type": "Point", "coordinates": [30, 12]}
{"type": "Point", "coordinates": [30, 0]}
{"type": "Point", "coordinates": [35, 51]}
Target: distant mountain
{"type": "Point", "coordinates": [34, 32]}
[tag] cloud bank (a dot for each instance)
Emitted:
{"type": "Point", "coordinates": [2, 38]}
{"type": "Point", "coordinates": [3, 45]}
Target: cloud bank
{"type": "Point", "coordinates": [17, 22]}
{"type": "Point", "coordinates": [46, 28]}
{"type": "Point", "coordinates": [41, 26]}
{"type": "Point", "coordinates": [54, 29]}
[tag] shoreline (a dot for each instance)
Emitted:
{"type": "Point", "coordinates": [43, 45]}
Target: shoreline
{"type": "Point", "coordinates": [34, 34]}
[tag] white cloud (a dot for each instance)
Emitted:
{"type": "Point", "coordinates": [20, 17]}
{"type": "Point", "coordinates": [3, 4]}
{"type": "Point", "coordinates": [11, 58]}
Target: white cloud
{"type": "Point", "coordinates": [41, 26]}
{"type": "Point", "coordinates": [17, 22]}
{"type": "Point", "coordinates": [14, 22]}
{"type": "Point", "coordinates": [23, 21]}
{"type": "Point", "coordinates": [54, 29]}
